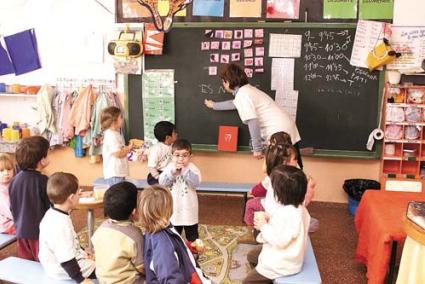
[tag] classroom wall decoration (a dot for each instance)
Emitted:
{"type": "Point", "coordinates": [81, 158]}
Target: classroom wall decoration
{"type": "Point", "coordinates": [244, 46]}
{"type": "Point", "coordinates": [158, 100]}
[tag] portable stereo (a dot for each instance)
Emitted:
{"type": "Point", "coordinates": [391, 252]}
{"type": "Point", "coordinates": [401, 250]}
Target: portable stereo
{"type": "Point", "coordinates": [125, 47]}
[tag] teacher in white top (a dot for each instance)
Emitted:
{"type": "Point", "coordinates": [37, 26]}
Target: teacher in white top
{"type": "Point", "coordinates": [256, 109]}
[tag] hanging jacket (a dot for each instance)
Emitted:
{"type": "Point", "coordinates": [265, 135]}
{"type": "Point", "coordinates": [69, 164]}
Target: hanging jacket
{"type": "Point", "coordinates": [46, 120]}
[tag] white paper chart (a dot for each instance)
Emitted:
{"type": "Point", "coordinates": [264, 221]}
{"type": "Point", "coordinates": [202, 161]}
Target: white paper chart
{"type": "Point", "coordinates": [285, 45]}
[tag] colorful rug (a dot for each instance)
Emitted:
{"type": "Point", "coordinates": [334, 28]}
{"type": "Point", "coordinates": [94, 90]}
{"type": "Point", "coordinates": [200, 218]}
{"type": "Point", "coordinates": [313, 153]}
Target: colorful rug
{"type": "Point", "coordinates": [224, 261]}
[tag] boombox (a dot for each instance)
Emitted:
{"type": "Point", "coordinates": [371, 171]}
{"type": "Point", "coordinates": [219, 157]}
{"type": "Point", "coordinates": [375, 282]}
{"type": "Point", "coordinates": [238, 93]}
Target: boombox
{"type": "Point", "coordinates": [125, 47]}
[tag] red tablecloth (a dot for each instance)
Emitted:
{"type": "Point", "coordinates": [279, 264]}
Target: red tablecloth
{"type": "Point", "coordinates": [379, 221]}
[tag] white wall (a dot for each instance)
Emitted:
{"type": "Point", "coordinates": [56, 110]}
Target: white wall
{"type": "Point", "coordinates": [64, 29]}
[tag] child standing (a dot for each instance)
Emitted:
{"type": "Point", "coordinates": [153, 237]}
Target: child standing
{"type": "Point", "coordinates": [167, 258]}
{"type": "Point", "coordinates": [160, 153]}
{"type": "Point", "coordinates": [28, 196]}
{"type": "Point", "coordinates": [283, 233]}
{"type": "Point", "coordinates": [7, 171]}
{"type": "Point", "coordinates": [183, 177]}
{"type": "Point", "coordinates": [118, 243]}
{"type": "Point", "coordinates": [114, 151]}
{"type": "Point", "coordinates": [60, 252]}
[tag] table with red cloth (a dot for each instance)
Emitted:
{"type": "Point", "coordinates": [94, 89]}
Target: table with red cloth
{"type": "Point", "coordinates": [379, 223]}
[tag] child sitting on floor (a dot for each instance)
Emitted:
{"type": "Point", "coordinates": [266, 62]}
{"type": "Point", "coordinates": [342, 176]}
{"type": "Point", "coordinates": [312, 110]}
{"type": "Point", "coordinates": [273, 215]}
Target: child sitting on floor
{"type": "Point", "coordinates": [60, 252]}
{"type": "Point", "coordinates": [167, 258]}
{"type": "Point", "coordinates": [283, 233]}
{"type": "Point", "coordinates": [118, 243]}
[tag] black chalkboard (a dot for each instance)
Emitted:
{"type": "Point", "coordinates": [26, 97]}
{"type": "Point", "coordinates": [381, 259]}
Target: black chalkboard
{"type": "Point", "coordinates": [338, 104]}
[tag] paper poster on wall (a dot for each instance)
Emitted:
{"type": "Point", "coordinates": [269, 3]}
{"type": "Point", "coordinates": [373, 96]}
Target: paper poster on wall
{"type": "Point", "coordinates": [382, 9]}
{"type": "Point", "coordinates": [340, 9]}
{"type": "Point", "coordinates": [410, 42]}
{"type": "Point", "coordinates": [285, 45]}
{"type": "Point", "coordinates": [283, 9]}
{"type": "Point", "coordinates": [368, 34]}
{"type": "Point", "coordinates": [245, 8]}
{"type": "Point", "coordinates": [211, 8]}
{"type": "Point", "coordinates": [158, 100]}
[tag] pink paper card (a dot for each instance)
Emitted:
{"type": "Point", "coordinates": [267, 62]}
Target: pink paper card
{"type": "Point", "coordinates": [259, 32]}
{"type": "Point", "coordinates": [259, 70]}
{"type": "Point", "coordinates": [209, 33]}
{"type": "Point", "coordinates": [247, 52]}
{"type": "Point", "coordinates": [248, 61]}
{"type": "Point", "coordinates": [259, 41]}
{"type": "Point", "coordinates": [259, 51]}
{"type": "Point", "coordinates": [248, 33]}
{"type": "Point", "coordinates": [214, 57]}
{"type": "Point", "coordinates": [212, 70]}
{"type": "Point", "coordinates": [225, 45]}
{"type": "Point", "coordinates": [215, 45]}
{"type": "Point", "coordinates": [205, 45]}
{"type": "Point", "coordinates": [248, 72]}
{"type": "Point", "coordinates": [258, 61]}
{"type": "Point", "coordinates": [235, 56]}
{"type": "Point", "coordinates": [224, 58]}
{"type": "Point", "coordinates": [247, 43]}
{"type": "Point", "coordinates": [219, 34]}
{"type": "Point", "coordinates": [236, 44]}
{"type": "Point", "coordinates": [228, 34]}
{"type": "Point", "coordinates": [238, 34]}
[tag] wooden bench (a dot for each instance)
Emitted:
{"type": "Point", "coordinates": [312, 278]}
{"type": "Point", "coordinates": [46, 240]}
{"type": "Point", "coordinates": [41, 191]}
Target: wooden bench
{"type": "Point", "coordinates": [223, 187]}
{"type": "Point", "coordinates": [22, 271]}
{"type": "Point", "coordinates": [308, 275]}
{"type": "Point", "coordinates": [6, 240]}
{"type": "Point", "coordinates": [209, 187]}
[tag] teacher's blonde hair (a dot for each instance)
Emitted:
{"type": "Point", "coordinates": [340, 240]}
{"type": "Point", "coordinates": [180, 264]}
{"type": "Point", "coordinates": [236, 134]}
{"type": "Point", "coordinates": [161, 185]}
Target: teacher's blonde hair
{"type": "Point", "coordinates": [155, 208]}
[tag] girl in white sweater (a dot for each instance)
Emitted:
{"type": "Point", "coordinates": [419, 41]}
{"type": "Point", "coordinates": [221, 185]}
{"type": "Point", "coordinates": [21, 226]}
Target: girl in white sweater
{"type": "Point", "coordinates": [283, 234]}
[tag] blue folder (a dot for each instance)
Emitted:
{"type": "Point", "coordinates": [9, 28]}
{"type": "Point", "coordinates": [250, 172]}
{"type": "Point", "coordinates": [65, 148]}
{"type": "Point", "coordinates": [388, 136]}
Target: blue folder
{"type": "Point", "coordinates": [6, 66]}
{"type": "Point", "coordinates": [22, 49]}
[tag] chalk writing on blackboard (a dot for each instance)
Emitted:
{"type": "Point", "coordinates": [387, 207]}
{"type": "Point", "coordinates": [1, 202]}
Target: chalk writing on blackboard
{"type": "Point", "coordinates": [325, 59]}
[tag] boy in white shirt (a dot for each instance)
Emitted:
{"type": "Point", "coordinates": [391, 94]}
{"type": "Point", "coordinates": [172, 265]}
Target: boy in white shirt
{"type": "Point", "coordinates": [160, 153]}
{"type": "Point", "coordinates": [60, 252]}
{"type": "Point", "coordinates": [183, 177]}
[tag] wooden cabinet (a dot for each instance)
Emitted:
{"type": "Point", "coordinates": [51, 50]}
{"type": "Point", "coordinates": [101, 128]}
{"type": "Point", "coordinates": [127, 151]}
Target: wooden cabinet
{"type": "Point", "coordinates": [403, 151]}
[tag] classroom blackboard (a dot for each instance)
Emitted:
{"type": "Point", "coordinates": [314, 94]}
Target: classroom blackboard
{"type": "Point", "coordinates": [338, 104]}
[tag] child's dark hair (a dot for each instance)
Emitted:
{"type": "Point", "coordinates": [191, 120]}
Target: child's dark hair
{"type": "Point", "coordinates": [120, 200]}
{"type": "Point", "coordinates": [60, 186]}
{"type": "Point", "coordinates": [279, 151]}
{"type": "Point", "coordinates": [163, 129]}
{"type": "Point", "coordinates": [108, 116]}
{"type": "Point", "coordinates": [31, 151]}
{"type": "Point", "coordinates": [234, 74]}
{"type": "Point", "coordinates": [181, 144]}
{"type": "Point", "coordinates": [289, 184]}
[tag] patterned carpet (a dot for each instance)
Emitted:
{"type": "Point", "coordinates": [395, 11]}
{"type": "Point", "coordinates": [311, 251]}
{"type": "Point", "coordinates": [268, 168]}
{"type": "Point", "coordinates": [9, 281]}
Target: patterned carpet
{"type": "Point", "coordinates": [216, 261]}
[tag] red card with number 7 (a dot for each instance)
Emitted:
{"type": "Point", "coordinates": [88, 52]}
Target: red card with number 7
{"type": "Point", "coordinates": [227, 138]}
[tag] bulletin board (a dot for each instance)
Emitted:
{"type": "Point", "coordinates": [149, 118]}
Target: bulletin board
{"type": "Point", "coordinates": [338, 104]}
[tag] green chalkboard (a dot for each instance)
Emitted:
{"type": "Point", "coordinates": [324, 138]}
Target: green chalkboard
{"type": "Point", "coordinates": [338, 104]}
